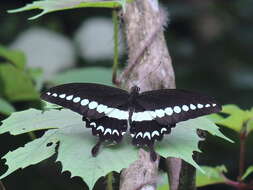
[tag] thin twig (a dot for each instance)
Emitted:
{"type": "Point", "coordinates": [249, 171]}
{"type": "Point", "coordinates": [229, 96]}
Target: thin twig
{"type": "Point", "coordinates": [2, 186]}
{"type": "Point", "coordinates": [116, 45]}
{"type": "Point", "coordinates": [243, 136]}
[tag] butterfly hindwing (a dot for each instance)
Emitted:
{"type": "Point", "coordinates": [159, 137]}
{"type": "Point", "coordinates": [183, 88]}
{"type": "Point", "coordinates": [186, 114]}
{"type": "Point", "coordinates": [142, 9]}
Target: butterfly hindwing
{"type": "Point", "coordinates": [108, 128]}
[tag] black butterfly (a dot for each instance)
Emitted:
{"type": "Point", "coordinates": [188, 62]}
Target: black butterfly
{"type": "Point", "coordinates": [108, 110]}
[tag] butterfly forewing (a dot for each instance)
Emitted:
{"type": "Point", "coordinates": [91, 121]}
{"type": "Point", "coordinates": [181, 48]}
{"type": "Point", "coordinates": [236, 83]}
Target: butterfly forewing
{"type": "Point", "coordinates": [90, 100]}
{"type": "Point", "coordinates": [170, 106]}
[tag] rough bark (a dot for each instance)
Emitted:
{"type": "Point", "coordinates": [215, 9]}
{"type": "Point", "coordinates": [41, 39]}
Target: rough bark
{"type": "Point", "coordinates": [150, 68]}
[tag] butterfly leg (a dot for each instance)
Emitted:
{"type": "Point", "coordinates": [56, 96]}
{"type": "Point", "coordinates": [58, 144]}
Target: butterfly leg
{"type": "Point", "coordinates": [153, 155]}
{"type": "Point", "coordinates": [95, 149]}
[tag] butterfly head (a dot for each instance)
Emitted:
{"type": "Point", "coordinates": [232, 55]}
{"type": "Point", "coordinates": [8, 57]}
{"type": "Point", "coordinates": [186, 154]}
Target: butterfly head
{"type": "Point", "coordinates": [135, 90]}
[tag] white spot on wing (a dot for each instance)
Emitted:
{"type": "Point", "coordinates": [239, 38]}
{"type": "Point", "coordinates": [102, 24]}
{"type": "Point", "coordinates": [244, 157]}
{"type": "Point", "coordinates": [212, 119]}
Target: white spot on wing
{"type": "Point", "coordinates": [193, 107]}
{"type": "Point", "coordinates": [48, 93]}
{"type": "Point", "coordinates": [200, 106]}
{"type": "Point", "coordinates": [147, 134]}
{"type": "Point", "coordinates": [118, 114]}
{"type": "Point", "coordinates": [108, 110]}
{"type": "Point", "coordinates": [101, 128]}
{"type": "Point", "coordinates": [139, 134]}
{"type": "Point", "coordinates": [54, 95]}
{"type": "Point", "coordinates": [93, 124]}
{"type": "Point", "coordinates": [160, 113]}
{"type": "Point", "coordinates": [168, 111]}
{"type": "Point", "coordinates": [142, 116]}
{"type": "Point", "coordinates": [177, 109]}
{"type": "Point", "coordinates": [77, 99]}
{"type": "Point", "coordinates": [185, 108]}
{"type": "Point", "coordinates": [115, 131]}
{"type": "Point", "coordinates": [84, 102]}
{"type": "Point", "coordinates": [108, 130]}
{"type": "Point", "coordinates": [93, 105]}
{"type": "Point", "coordinates": [155, 133]}
{"type": "Point", "coordinates": [69, 97]}
{"type": "Point", "coordinates": [62, 96]}
{"type": "Point", "coordinates": [207, 105]}
{"type": "Point", "coordinates": [213, 105]}
{"type": "Point", "coordinates": [101, 108]}
{"type": "Point", "coordinates": [123, 133]}
{"type": "Point", "coordinates": [132, 135]}
{"type": "Point", "coordinates": [163, 130]}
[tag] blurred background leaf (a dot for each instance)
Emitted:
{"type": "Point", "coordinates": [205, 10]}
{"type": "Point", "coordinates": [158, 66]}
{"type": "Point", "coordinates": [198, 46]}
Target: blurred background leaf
{"type": "Point", "coordinates": [5, 107]}
{"type": "Point", "coordinates": [92, 74]}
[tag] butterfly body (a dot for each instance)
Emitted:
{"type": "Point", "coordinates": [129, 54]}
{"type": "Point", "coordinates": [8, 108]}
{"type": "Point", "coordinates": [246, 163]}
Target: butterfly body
{"type": "Point", "coordinates": [151, 115]}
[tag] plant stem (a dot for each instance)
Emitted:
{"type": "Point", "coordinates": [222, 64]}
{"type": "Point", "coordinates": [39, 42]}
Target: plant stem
{"type": "Point", "coordinates": [109, 181]}
{"type": "Point", "coordinates": [116, 45]}
{"type": "Point", "coordinates": [2, 186]}
{"type": "Point", "coordinates": [243, 136]}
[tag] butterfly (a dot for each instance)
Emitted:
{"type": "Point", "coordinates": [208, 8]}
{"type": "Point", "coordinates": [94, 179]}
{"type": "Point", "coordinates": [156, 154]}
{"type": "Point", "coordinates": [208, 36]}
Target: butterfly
{"type": "Point", "coordinates": [108, 111]}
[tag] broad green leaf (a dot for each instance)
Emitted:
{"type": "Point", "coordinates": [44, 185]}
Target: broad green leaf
{"type": "Point", "coordinates": [93, 75]}
{"type": "Point", "coordinates": [15, 84]}
{"type": "Point", "coordinates": [32, 153]}
{"type": "Point", "coordinates": [237, 117]}
{"type": "Point", "coordinates": [15, 57]}
{"type": "Point", "coordinates": [76, 141]}
{"type": "Point", "coordinates": [248, 172]}
{"type": "Point", "coordinates": [212, 175]}
{"type": "Point", "coordinates": [5, 107]}
{"type": "Point", "coordinates": [48, 6]}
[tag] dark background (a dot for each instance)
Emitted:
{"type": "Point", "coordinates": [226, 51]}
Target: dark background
{"type": "Point", "coordinates": [211, 45]}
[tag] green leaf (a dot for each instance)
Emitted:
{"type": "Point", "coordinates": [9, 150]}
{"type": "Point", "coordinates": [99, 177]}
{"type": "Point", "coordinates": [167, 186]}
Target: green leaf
{"type": "Point", "coordinates": [183, 139]}
{"type": "Point", "coordinates": [37, 76]}
{"type": "Point", "coordinates": [237, 117]}
{"type": "Point", "coordinates": [16, 84]}
{"type": "Point", "coordinates": [48, 6]}
{"type": "Point", "coordinates": [32, 153]}
{"type": "Point", "coordinates": [15, 57]}
{"type": "Point", "coordinates": [93, 75]}
{"type": "Point", "coordinates": [248, 172]}
{"type": "Point", "coordinates": [5, 107]}
{"type": "Point", "coordinates": [76, 141]}
{"type": "Point", "coordinates": [212, 175]}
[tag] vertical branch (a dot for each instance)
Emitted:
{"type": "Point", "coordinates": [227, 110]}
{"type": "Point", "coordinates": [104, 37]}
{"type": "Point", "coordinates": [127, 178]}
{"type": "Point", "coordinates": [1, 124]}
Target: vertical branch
{"type": "Point", "coordinates": [242, 138]}
{"type": "Point", "coordinates": [149, 67]}
{"type": "Point", "coordinates": [116, 44]}
{"type": "Point", "coordinates": [2, 186]}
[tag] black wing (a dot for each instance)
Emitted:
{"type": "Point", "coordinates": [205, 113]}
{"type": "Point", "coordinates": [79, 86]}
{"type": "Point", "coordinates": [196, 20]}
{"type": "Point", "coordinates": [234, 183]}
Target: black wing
{"type": "Point", "coordinates": [100, 105]}
{"type": "Point", "coordinates": [164, 108]}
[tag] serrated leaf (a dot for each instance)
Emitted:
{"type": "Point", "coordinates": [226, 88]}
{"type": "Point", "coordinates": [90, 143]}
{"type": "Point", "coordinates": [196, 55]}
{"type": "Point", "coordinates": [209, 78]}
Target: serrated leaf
{"type": "Point", "coordinates": [237, 117]}
{"type": "Point", "coordinates": [212, 175]}
{"type": "Point", "coordinates": [32, 153]}
{"type": "Point", "coordinates": [75, 142]}
{"type": "Point", "coordinates": [5, 107]}
{"type": "Point", "coordinates": [48, 6]}
{"type": "Point", "coordinates": [15, 57]}
{"type": "Point", "coordinates": [248, 172]}
{"type": "Point", "coordinates": [93, 75]}
{"type": "Point", "coordinates": [16, 85]}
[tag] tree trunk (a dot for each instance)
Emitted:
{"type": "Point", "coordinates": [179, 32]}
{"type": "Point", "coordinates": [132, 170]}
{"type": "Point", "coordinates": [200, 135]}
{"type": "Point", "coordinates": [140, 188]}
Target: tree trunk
{"type": "Point", "coordinates": [149, 67]}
